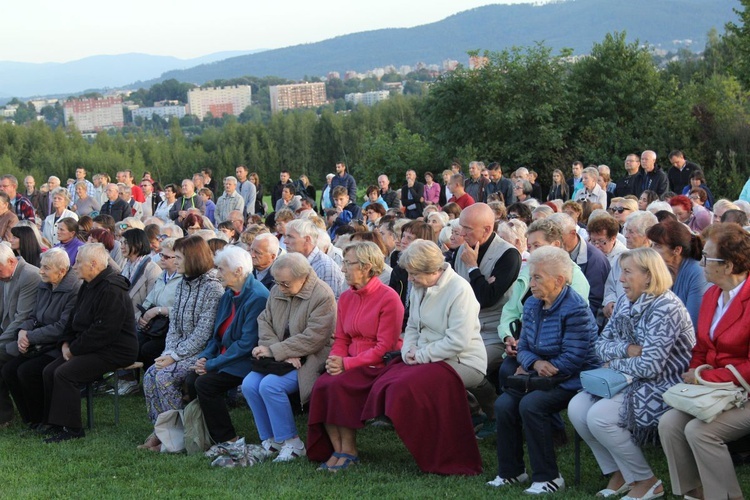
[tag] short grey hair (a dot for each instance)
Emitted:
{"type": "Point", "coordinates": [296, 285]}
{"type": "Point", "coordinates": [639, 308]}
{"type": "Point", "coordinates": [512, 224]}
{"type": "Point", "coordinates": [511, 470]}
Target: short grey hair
{"type": "Point", "coordinates": [565, 221]}
{"type": "Point", "coordinates": [640, 222]}
{"type": "Point", "coordinates": [422, 256]}
{"type": "Point", "coordinates": [324, 240]}
{"type": "Point", "coordinates": [6, 253]}
{"type": "Point", "coordinates": [440, 215]}
{"type": "Point", "coordinates": [230, 178]}
{"type": "Point", "coordinates": [94, 253]}
{"type": "Point", "coordinates": [368, 253]}
{"type": "Point", "coordinates": [304, 228]}
{"type": "Point", "coordinates": [604, 169]}
{"type": "Point", "coordinates": [554, 260]}
{"type": "Point", "coordinates": [545, 210]}
{"type": "Point", "coordinates": [548, 227]}
{"type": "Point", "coordinates": [61, 191]}
{"type": "Point", "coordinates": [445, 235]}
{"type": "Point", "coordinates": [295, 263]}
{"type": "Point", "coordinates": [56, 258]}
{"type": "Point", "coordinates": [273, 242]}
{"type": "Point", "coordinates": [591, 172]}
{"type": "Point", "coordinates": [658, 206]}
{"type": "Point", "coordinates": [599, 213]}
{"type": "Point", "coordinates": [235, 258]}
{"type": "Point", "coordinates": [514, 230]}
{"type": "Point", "coordinates": [167, 244]}
{"type": "Point", "coordinates": [172, 230]}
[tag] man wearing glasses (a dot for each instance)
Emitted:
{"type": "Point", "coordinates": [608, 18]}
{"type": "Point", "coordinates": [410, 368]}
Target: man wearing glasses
{"type": "Point", "coordinates": [632, 182]}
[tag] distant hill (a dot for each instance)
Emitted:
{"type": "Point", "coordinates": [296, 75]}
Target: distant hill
{"type": "Point", "coordinates": [577, 24]}
{"type": "Point", "coordinates": [31, 79]}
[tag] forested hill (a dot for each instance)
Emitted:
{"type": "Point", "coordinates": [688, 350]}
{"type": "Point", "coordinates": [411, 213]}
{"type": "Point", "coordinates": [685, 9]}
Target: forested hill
{"type": "Point", "coordinates": [573, 23]}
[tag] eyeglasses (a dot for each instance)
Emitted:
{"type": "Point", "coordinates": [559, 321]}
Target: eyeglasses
{"type": "Point", "coordinates": [166, 257]}
{"type": "Point", "coordinates": [618, 210]}
{"type": "Point", "coordinates": [512, 216]}
{"type": "Point", "coordinates": [706, 259]}
{"type": "Point", "coordinates": [282, 284]}
{"type": "Point", "coordinates": [162, 237]}
{"type": "Point", "coordinates": [349, 264]}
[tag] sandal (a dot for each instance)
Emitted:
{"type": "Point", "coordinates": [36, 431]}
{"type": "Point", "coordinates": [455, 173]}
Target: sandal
{"type": "Point", "coordinates": [349, 460]}
{"type": "Point", "coordinates": [151, 442]}
{"type": "Point", "coordinates": [609, 493]}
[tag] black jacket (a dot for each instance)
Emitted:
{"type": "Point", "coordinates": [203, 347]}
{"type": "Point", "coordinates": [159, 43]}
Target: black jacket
{"type": "Point", "coordinates": [103, 322]}
{"type": "Point", "coordinates": [417, 200]}
{"type": "Point", "coordinates": [656, 180]}
{"type": "Point", "coordinates": [117, 209]}
{"type": "Point", "coordinates": [631, 184]}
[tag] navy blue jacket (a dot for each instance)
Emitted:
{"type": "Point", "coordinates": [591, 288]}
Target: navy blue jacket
{"type": "Point", "coordinates": [564, 335]}
{"type": "Point", "coordinates": [241, 335]}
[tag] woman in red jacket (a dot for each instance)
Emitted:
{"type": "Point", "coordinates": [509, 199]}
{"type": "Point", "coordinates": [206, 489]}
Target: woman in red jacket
{"type": "Point", "coordinates": [368, 325]}
{"type": "Point", "coordinates": [699, 463]}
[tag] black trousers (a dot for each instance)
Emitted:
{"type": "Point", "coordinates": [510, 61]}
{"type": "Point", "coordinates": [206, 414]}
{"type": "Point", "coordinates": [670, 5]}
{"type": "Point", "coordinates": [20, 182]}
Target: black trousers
{"type": "Point", "coordinates": [149, 348]}
{"type": "Point", "coordinates": [23, 377]}
{"type": "Point", "coordinates": [62, 386]}
{"type": "Point", "coordinates": [211, 391]}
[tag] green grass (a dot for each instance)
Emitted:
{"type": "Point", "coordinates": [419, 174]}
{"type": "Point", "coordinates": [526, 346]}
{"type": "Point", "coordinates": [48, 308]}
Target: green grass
{"type": "Point", "coordinates": [106, 464]}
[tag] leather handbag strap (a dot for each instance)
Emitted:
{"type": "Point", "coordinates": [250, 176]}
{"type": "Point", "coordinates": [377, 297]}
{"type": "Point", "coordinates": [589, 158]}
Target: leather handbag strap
{"type": "Point", "coordinates": [739, 377]}
{"type": "Point", "coordinates": [722, 385]}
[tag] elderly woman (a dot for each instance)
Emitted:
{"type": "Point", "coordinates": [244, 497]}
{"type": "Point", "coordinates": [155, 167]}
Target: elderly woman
{"type": "Point", "coordinates": [158, 303]}
{"type": "Point", "coordinates": [193, 223]}
{"type": "Point", "coordinates": [514, 232]}
{"type": "Point", "coordinates": [557, 336]}
{"type": "Point", "coordinates": [681, 251]}
{"type": "Point", "coordinates": [8, 219]}
{"type": "Point", "coordinates": [699, 463]}
{"type": "Point", "coordinates": [368, 325]}
{"type": "Point", "coordinates": [39, 336]}
{"type": "Point", "coordinates": [522, 190]}
{"type": "Point", "coordinates": [67, 237]}
{"type": "Point", "coordinates": [191, 324]}
{"type": "Point", "coordinates": [98, 338]}
{"type": "Point", "coordinates": [649, 339]}
{"type": "Point", "coordinates": [226, 360]}
{"type": "Point", "coordinates": [60, 201]}
{"type": "Point", "coordinates": [695, 217]}
{"type": "Point", "coordinates": [621, 208]}
{"type": "Point", "coordinates": [85, 204]}
{"type": "Point", "coordinates": [171, 193]}
{"type": "Point", "coordinates": [591, 191]}
{"type": "Point", "coordinates": [294, 328]}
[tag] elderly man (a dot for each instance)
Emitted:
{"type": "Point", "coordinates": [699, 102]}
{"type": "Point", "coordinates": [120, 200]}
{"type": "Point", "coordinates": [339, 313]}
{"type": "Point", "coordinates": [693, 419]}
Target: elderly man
{"type": "Point", "coordinates": [33, 194]}
{"type": "Point", "coordinates": [632, 183]}
{"type": "Point", "coordinates": [246, 189]}
{"type": "Point", "coordinates": [229, 201]}
{"type": "Point", "coordinates": [235, 217]}
{"type": "Point", "coordinates": [115, 206]}
{"type": "Point", "coordinates": [126, 195]}
{"type": "Point", "coordinates": [302, 237]}
{"type": "Point", "coordinates": [412, 195]}
{"type": "Point", "coordinates": [475, 184]}
{"type": "Point", "coordinates": [18, 289]}
{"type": "Point", "coordinates": [99, 338]}
{"type": "Point", "coordinates": [654, 178]}
{"type": "Point", "coordinates": [21, 205]}
{"type": "Point", "coordinates": [390, 197]}
{"type": "Point", "coordinates": [344, 178]}
{"type": "Point", "coordinates": [591, 191]}
{"type": "Point", "coordinates": [590, 259]}
{"type": "Point", "coordinates": [264, 250]}
{"type": "Point", "coordinates": [188, 200]}
{"type": "Point", "coordinates": [80, 177]}
{"type": "Point", "coordinates": [490, 265]}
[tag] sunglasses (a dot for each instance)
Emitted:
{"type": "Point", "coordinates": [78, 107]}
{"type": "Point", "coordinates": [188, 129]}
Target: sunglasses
{"type": "Point", "coordinates": [122, 226]}
{"type": "Point", "coordinates": [166, 257]}
{"type": "Point", "coordinates": [618, 210]}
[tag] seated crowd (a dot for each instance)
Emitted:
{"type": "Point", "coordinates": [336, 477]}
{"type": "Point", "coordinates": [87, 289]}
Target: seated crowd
{"type": "Point", "coordinates": [452, 312]}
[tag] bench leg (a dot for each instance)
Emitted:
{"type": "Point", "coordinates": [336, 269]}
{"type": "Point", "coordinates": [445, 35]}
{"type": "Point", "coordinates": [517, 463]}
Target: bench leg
{"type": "Point", "coordinates": [90, 405]}
{"type": "Point", "coordinates": [117, 398]}
{"type": "Point", "coordinates": [577, 459]}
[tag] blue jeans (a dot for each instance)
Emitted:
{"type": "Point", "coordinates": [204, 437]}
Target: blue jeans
{"type": "Point", "coordinates": [530, 416]}
{"type": "Point", "coordinates": [268, 398]}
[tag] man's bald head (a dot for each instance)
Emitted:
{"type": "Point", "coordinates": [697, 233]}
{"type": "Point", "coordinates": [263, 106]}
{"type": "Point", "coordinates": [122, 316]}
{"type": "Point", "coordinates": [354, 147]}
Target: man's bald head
{"type": "Point", "coordinates": [477, 223]}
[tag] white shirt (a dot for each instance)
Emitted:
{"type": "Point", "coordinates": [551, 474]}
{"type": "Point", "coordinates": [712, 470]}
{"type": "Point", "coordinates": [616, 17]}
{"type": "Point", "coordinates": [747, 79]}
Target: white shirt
{"type": "Point", "coordinates": [721, 307]}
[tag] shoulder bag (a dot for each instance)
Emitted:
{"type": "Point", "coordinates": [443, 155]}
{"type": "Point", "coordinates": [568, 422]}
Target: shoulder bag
{"type": "Point", "coordinates": [707, 400]}
{"type": "Point", "coordinates": [604, 382]}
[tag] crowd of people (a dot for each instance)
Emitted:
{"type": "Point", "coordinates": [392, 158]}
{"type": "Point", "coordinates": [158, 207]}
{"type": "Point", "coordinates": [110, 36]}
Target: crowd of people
{"type": "Point", "coordinates": [452, 312]}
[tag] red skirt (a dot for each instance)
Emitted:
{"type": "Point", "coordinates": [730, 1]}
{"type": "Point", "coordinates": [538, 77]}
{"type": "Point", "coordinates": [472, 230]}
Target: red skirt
{"type": "Point", "coordinates": [426, 403]}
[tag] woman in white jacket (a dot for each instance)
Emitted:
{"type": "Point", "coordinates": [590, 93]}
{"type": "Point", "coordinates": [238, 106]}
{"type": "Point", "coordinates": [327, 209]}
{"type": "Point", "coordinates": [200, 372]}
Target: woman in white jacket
{"type": "Point", "coordinates": [443, 315]}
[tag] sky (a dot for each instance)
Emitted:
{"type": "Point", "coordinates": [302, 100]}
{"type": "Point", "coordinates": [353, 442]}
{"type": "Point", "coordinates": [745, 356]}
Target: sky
{"type": "Point", "coordinates": [45, 31]}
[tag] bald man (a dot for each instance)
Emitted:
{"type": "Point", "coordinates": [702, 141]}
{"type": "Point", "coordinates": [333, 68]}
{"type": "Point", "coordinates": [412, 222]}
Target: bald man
{"type": "Point", "coordinates": [490, 265]}
{"type": "Point", "coordinates": [654, 179]}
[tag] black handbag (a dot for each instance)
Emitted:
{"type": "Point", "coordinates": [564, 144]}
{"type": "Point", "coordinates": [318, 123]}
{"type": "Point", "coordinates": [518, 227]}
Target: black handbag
{"type": "Point", "coordinates": [269, 366]}
{"type": "Point", "coordinates": [157, 327]}
{"type": "Point", "coordinates": [532, 381]}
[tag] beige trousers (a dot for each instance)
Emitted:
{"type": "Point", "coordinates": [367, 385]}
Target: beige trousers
{"type": "Point", "coordinates": [697, 453]}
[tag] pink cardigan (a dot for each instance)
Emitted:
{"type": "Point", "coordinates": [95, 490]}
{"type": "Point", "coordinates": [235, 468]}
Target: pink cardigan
{"type": "Point", "coordinates": [368, 324]}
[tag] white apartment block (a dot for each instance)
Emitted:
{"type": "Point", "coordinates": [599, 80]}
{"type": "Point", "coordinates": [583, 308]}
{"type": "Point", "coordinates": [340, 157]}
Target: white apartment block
{"type": "Point", "coordinates": [165, 112]}
{"type": "Point", "coordinates": [367, 98]}
{"type": "Point", "coordinates": [231, 100]}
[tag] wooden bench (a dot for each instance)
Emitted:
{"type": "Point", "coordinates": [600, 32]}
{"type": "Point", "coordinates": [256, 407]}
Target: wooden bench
{"type": "Point", "coordinates": [137, 367]}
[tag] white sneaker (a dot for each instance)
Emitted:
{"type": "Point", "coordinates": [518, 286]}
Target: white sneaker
{"type": "Point", "coordinates": [289, 452]}
{"type": "Point", "coordinates": [540, 488]}
{"type": "Point", "coordinates": [501, 481]}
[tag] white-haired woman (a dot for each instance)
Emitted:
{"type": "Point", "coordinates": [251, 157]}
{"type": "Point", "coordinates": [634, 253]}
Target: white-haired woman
{"type": "Point", "coordinates": [60, 201]}
{"type": "Point", "coordinates": [226, 360]}
{"type": "Point", "coordinates": [39, 335]}
{"type": "Point", "coordinates": [295, 328]}
{"type": "Point", "coordinates": [649, 338]}
{"type": "Point", "coordinates": [514, 232]}
{"type": "Point", "coordinates": [437, 220]}
{"type": "Point", "coordinates": [557, 336]}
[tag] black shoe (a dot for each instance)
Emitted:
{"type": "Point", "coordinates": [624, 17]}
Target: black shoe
{"type": "Point", "coordinates": [48, 429]}
{"type": "Point", "coordinates": [66, 435]}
